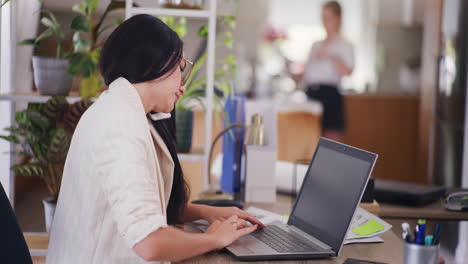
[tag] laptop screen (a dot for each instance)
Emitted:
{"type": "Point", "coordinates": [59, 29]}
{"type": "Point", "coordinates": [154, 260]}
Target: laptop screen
{"type": "Point", "coordinates": [331, 190]}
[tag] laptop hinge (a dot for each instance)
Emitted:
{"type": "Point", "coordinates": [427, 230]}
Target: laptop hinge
{"type": "Point", "coordinates": [309, 237]}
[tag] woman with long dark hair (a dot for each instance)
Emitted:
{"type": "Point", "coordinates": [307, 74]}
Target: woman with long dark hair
{"type": "Point", "coordinates": [123, 185]}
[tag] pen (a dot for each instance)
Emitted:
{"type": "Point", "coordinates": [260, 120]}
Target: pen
{"type": "Point", "coordinates": [415, 233]}
{"type": "Point", "coordinates": [421, 228]}
{"type": "Point", "coordinates": [436, 234]}
{"type": "Point", "coordinates": [428, 240]}
{"type": "Point", "coordinates": [407, 232]}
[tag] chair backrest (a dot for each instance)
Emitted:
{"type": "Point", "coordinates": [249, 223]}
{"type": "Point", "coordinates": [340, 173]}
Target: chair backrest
{"type": "Point", "coordinates": [13, 247]}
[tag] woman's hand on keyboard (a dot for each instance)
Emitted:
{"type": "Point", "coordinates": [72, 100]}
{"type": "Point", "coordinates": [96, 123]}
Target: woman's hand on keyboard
{"type": "Point", "coordinates": [227, 231]}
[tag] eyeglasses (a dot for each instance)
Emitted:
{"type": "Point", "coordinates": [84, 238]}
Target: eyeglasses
{"type": "Point", "coordinates": [186, 68]}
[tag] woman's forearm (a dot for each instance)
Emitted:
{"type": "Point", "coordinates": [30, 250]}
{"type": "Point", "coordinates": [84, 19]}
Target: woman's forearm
{"type": "Point", "coordinates": [194, 212]}
{"type": "Point", "coordinates": [341, 67]}
{"type": "Point", "coordinates": [172, 244]}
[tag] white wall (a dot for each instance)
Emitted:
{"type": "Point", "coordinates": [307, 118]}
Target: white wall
{"type": "Point", "coordinates": [408, 12]}
{"type": "Point", "coordinates": [398, 44]}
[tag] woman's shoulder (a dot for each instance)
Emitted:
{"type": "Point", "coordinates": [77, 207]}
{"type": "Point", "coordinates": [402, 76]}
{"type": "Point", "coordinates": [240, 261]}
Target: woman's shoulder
{"type": "Point", "coordinates": [111, 116]}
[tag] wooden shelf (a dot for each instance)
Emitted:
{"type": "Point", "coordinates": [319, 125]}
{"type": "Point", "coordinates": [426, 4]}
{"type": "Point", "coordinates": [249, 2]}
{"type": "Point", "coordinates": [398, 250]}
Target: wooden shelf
{"type": "Point", "coordinates": [34, 97]}
{"type": "Point", "coordinates": [170, 12]}
{"type": "Point", "coordinates": [197, 154]}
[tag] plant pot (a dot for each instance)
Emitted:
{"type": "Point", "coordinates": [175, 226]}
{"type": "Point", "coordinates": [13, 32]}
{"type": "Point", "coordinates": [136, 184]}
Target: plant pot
{"type": "Point", "coordinates": [51, 76]}
{"type": "Point", "coordinates": [182, 4]}
{"type": "Point", "coordinates": [49, 212]}
{"type": "Point", "coordinates": [184, 130]}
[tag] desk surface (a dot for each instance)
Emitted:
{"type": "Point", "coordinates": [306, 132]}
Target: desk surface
{"type": "Point", "coordinates": [391, 251]}
{"type": "Point", "coordinates": [434, 211]}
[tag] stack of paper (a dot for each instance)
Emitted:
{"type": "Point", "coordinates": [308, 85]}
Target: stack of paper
{"type": "Point", "coordinates": [366, 228]}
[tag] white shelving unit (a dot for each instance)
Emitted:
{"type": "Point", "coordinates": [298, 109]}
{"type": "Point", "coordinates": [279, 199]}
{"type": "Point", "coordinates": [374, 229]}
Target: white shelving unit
{"type": "Point", "coordinates": [210, 15]}
{"type": "Point", "coordinates": [33, 97]}
{"type": "Point", "coordinates": [169, 12]}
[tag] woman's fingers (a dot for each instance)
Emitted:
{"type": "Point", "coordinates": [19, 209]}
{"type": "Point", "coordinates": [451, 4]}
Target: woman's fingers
{"type": "Point", "coordinates": [233, 217]}
{"type": "Point", "coordinates": [241, 223]}
{"type": "Point", "coordinates": [214, 226]}
{"type": "Point", "coordinates": [246, 230]}
{"type": "Point", "coordinates": [230, 230]}
{"type": "Point", "coordinates": [252, 219]}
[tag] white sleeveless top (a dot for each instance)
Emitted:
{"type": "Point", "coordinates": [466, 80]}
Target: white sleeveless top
{"type": "Point", "coordinates": [322, 71]}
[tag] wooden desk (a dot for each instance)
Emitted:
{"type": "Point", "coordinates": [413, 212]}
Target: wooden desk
{"type": "Point", "coordinates": [433, 211]}
{"type": "Point", "coordinates": [391, 251]}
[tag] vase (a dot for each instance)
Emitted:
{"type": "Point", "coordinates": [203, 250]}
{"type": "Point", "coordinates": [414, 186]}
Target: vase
{"type": "Point", "coordinates": [49, 212]}
{"type": "Point", "coordinates": [51, 76]}
{"type": "Point", "coordinates": [182, 4]}
{"type": "Point", "coordinates": [184, 130]}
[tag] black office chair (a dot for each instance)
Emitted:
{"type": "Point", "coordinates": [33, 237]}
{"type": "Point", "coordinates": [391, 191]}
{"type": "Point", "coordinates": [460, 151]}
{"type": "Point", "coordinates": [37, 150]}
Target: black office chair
{"type": "Point", "coordinates": [13, 247]}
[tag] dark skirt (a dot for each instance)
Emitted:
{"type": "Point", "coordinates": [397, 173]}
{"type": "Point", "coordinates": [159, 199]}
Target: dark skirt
{"type": "Point", "coordinates": [332, 102]}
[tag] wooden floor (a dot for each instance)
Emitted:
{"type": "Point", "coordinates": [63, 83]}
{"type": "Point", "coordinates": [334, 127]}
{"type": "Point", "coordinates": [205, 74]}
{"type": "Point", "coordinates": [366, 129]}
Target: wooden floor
{"type": "Point", "coordinates": [38, 260]}
{"type": "Point", "coordinates": [38, 244]}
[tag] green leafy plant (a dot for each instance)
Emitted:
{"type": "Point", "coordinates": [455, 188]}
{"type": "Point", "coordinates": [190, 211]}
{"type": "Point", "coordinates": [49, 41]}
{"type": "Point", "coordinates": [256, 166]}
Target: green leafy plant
{"type": "Point", "coordinates": [225, 68]}
{"type": "Point", "coordinates": [43, 131]}
{"type": "Point", "coordinates": [195, 87]}
{"type": "Point", "coordinates": [4, 3]}
{"type": "Point", "coordinates": [87, 43]}
{"type": "Point", "coordinates": [53, 29]}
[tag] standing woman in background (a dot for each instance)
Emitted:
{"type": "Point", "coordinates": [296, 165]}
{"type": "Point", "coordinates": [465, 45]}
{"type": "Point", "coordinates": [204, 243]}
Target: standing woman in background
{"type": "Point", "coordinates": [329, 60]}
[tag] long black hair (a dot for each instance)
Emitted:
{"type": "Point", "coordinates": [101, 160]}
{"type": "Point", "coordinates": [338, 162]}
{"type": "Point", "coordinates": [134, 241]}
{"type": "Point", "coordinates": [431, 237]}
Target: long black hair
{"type": "Point", "coordinates": [141, 49]}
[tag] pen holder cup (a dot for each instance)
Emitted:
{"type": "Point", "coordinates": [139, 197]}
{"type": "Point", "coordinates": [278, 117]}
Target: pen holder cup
{"type": "Point", "coordinates": [420, 254]}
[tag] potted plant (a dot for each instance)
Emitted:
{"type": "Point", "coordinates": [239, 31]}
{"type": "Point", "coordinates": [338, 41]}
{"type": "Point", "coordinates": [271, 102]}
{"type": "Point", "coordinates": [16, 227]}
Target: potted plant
{"type": "Point", "coordinates": [50, 74]}
{"type": "Point", "coordinates": [195, 87]}
{"type": "Point", "coordinates": [182, 4]}
{"type": "Point", "coordinates": [194, 97]}
{"type": "Point", "coordinates": [86, 43]}
{"type": "Point", "coordinates": [44, 131]}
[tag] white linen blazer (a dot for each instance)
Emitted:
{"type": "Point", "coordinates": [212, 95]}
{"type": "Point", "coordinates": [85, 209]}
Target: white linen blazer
{"type": "Point", "coordinates": [116, 183]}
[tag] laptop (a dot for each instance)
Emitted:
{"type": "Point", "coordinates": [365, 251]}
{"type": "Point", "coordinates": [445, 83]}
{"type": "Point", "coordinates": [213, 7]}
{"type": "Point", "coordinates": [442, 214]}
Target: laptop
{"type": "Point", "coordinates": [321, 216]}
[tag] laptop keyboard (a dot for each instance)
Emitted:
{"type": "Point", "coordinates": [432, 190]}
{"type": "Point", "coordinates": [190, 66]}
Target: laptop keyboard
{"type": "Point", "coordinates": [282, 241]}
